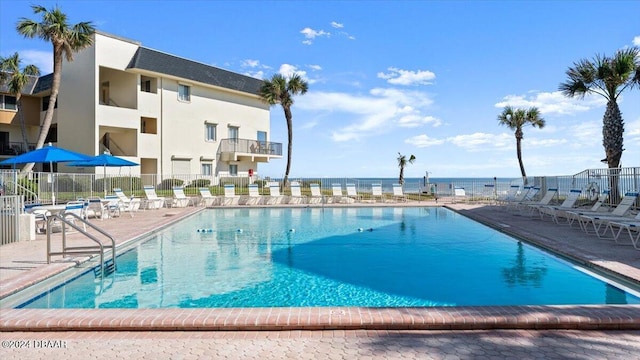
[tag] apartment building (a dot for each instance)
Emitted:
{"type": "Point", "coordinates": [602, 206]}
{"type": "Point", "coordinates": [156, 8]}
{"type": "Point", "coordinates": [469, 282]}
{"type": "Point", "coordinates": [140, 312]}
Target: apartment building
{"type": "Point", "coordinates": [172, 115]}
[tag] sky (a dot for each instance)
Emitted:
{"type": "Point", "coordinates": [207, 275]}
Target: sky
{"type": "Point", "coordinates": [422, 78]}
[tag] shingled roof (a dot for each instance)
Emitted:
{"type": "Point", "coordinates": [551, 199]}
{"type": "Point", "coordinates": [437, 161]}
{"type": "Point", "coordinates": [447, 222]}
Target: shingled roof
{"type": "Point", "coordinates": [152, 60]}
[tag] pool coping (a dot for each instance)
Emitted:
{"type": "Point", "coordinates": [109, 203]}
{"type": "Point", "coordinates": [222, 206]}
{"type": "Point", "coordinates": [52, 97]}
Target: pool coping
{"type": "Point", "coordinates": [578, 317]}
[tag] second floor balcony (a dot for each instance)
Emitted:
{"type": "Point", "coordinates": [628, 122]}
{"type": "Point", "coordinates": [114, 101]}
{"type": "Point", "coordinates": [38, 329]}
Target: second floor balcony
{"type": "Point", "coordinates": [258, 151]}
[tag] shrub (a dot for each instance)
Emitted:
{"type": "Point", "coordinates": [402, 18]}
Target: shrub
{"type": "Point", "coordinates": [198, 183]}
{"type": "Point", "coordinates": [168, 184]}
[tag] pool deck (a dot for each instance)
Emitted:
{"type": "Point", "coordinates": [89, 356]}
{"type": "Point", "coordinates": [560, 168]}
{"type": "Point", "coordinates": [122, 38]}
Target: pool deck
{"type": "Point", "coordinates": [24, 263]}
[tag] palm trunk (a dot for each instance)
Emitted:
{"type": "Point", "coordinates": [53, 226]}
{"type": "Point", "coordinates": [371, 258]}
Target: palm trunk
{"type": "Point", "coordinates": [401, 178]}
{"type": "Point", "coordinates": [519, 154]}
{"type": "Point", "coordinates": [287, 115]}
{"type": "Point", "coordinates": [612, 140]}
{"type": "Point", "coordinates": [48, 117]}
{"type": "Point", "coordinates": [23, 126]}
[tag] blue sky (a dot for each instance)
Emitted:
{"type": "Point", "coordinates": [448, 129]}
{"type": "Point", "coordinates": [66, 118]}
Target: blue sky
{"type": "Point", "coordinates": [426, 78]}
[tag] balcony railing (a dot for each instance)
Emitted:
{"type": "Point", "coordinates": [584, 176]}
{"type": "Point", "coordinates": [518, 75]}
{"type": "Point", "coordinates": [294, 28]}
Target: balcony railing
{"type": "Point", "coordinates": [15, 148]}
{"type": "Point", "coordinates": [248, 146]}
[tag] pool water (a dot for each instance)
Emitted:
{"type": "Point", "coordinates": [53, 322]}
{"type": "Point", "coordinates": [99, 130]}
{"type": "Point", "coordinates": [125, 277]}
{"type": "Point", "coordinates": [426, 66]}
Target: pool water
{"type": "Point", "coordinates": [377, 257]}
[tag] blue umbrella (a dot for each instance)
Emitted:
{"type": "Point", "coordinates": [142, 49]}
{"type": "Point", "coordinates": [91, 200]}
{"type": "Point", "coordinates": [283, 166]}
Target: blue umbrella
{"type": "Point", "coordinates": [47, 154]}
{"type": "Point", "coordinates": [103, 160]}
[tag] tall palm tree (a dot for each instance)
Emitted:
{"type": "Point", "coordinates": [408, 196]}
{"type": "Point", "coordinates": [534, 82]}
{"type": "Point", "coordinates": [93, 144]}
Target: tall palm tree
{"type": "Point", "coordinates": [16, 80]}
{"type": "Point", "coordinates": [607, 77]}
{"type": "Point", "coordinates": [515, 119]}
{"type": "Point", "coordinates": [66, 41]}
{"type": "Point", "coordinates": [280, 90]}
{"type": "Point", "coordinates": [402, 162]}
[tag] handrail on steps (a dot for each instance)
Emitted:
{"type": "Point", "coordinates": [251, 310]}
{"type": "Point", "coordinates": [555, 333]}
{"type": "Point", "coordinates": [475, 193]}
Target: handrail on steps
{"type": "Point", "coordinates": [79, 250]}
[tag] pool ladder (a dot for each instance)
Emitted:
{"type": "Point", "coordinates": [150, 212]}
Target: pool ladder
{"type": "Point", "coordinates": [106, 267]}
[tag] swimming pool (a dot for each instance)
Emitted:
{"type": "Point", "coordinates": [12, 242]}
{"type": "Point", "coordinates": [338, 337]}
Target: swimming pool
{"type": "Point", "coordinates": [378, 257]}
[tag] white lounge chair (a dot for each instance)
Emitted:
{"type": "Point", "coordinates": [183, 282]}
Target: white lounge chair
{"type": "Point", "coordinates": [130, 207]}
{"type": "Point", "coordinates": [573, 216]}
{"type": "Point", "coordinates": [459, 194]}
{"type": "Point", "coordinates": [316, 194]}
{"type": "Point", "coordinates": [76, 208]}
{"type": "Point", "coordinates": [631, 227]}
{"type": "Point", "coordinates": [398, 194]}
{"type": "Point", "coordinates": [532, 208]}
{"type": "Point", "coordinates": [254, 196]}
{"type": "Point", "coordinates": [180, 199]}
{"type": "Point", "coordinates": [336, 193]}
{"type": "Point", "coordinates": [568, 204]}
{"type": "Point", "coordinates": [153, 201]}
{"type": "Point", "coordinates": [296, 194]}
{"type": "Point", "coordinates": [489, 194]}
{"type": "Point", "coordinates": [95, 208]}
{"type": "Point", "coordinates": [229, 197]}
{"type": "Point", "coordinates": [352, 193]}
{"type": "Point", "coordinates": [618, 214]}
{"type": "Point", "coordinates": [376, 192]}
{"type": "Point", "coordinates": [120, 194]}
{"type": "Point", "coordinates": [510, 195]}
{"type": "Point", "coordinates": [274, 194]}
{"type": "Point", "coordinates": [206, 198]}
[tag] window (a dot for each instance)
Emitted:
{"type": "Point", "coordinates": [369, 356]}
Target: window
{"type": "Point", "coordinates": [262, 138]}
{"type": "Point", "coordinates": [205, 169]}
{"type": "Point", "coordinates": [209, 132]}
{"type": "Point", "coordinates": [233, 170]}
{"type": "Point", "coordinates": [184, 92]}
{"type": "Point", "coordinates": [233, 133]}
{"type": "Point", "coordinates": [148, 125]}
{"type": "Point", "coordinates": [145, 86]}
{"type": "Point", "coordinates": [8, 102]}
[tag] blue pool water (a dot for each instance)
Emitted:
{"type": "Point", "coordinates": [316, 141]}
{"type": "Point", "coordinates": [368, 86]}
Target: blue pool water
{"type": "Point", "coordinates": [393, 257]}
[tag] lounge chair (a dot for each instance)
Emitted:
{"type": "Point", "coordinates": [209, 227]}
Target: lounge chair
{"type": "Point", "coordinates": [510, 195]}
{"type": "Point", "coordinates": [336, 193]}
{"type": "Point", "coordinates": [296, 194]}
{"type": "Point", "coordinates": [229, 196]}
{"type": "Point", "coordinates": [617, 215]}
{"type": "Point", "coordinates": [153, 200]}
{"type": "Point", "coordinates": [573, 216]}
{"type": "Point", "coordinates": [376, 192]}
{"type": "Point", "coordinates": [530, 193]}
{"type": "Point", "coordinates": [254, 196]}
{"type": "Point", "coordinates": [352, 193]}
{"type": "Point", "coordinates": [206, 198]}
{"type": "Point", "coordinates": [568, 204]}
{"type": "Point", "coordinates": [130, 207]}
{"type": "Point", "coordinates": [459, 193]}
{"type": "Point", "coordinates": [274, 194]}
{"type": "Point", "coordinates": [544, 201]}
{"type": "Point", "coordinates": [398, 194]}
{"type": "Point", "coordinates": [489, 194]}
{"type": "Point", "coordinates": [76, 208]}
{"type": "Point", "coordinates": [316, 194]}
{"type": "Point", "coordinates": [180, 199]}
{"type": "Point", "coordinates": [632, 226]}
{"type": "Point", "coordinates": [112, 205]}
{"type": "Point", "coordinates": [120, 194]}
{"type": "Point", "coordinates": [95, 208]}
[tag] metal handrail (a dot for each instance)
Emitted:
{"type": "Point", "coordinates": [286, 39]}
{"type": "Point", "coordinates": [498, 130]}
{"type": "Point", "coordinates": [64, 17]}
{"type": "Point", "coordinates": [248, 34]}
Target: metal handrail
{"type": "Point", "coordinates": [79, 250]}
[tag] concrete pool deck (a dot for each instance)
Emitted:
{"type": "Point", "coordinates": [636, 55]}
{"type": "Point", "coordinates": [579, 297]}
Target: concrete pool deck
{"type": "Point", "coordinates": [25, 263]}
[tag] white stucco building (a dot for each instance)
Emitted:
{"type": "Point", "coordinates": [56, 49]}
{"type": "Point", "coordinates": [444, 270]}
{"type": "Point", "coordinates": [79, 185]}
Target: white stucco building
{"type": "Point", "coordinates": [171, 115]}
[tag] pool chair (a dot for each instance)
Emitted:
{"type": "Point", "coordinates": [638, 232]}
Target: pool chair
{"type": "Point", "coordinates": [206, 198]}
{"type": "Point", "coordinates": [274, 194]}
{"type": "Point", "coordinates": [254, 196]}
{"type": "Point", "coordinates": [112, 205]}
{"type": "Point", "coordinates": [153, 200]}
{"type": "Point", "coordinates": [597, 221]}
{"type": "Point", "coordinates": [316, 194]}
{"type": "Point", "coordinates": [130, 207]}
{"type": "Point", "coordinates": [489, 194]}
{"type": "Point", "coordinates": [296, 194]}
{"type": "Point", "coordinates": [510, 195]}
{"type": "Point", "coordinates": [398, 194]}
{"type": "Point", "coordinates": [76, 208]}
{"type": "Point", "coordinates": [632, 228]}
{"type": "Point", "coordinates": [96, 208]}
{"type": "Point", "coordinates": [229, 197]}
{"type": "Point", "coordinates": [573, 216]}
{"type": "Point", "coordinates": [120, 194]}
{"type": "Point", "coordinates": [336, 194]}
{"type": "Point", "coordinates": [568, 204]}
{"type": "Point", "coordinates": [528, 195]}
{"type": "Point", "coordinates": [459, 194]}
{"type": "Point", "coordinates": [180, 199]}
{"type": "Point", "coordinates": [534, 207]}
{"type": "Point", "coordinates": [376, 192]}
{"type": "Point", "coordinates": [352, 193]}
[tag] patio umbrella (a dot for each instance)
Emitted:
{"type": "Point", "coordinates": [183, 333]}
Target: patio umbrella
{"type": "Point", "coordinates": [103, 160]}
{"type": "Point", "coordinates": [47, 154]}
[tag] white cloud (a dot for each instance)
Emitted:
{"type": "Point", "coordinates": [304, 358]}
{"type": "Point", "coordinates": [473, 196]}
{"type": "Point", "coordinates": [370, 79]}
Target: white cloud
{"type": "Point", "coordinates": [250, 63]}
{"type": "Point", "coordinates": [256, 74]}
{"type": "Point", "coordinates": [310, 34]}
{"type": "Point", "coordinates": [483, 141]}
{"type": "Point", "coordinates": [407, 77]}
{"type": "Point", "coordinates": [553, 102]}
{"type": "Point", "coordinates": [636, 41]}
{"type": "Point", "coordinates": [42, 59]}
{"type": "Point", "coordinates": [366, 115]}
{"type": "Point", "coordinates": [315, 67]}
{"type": "Point", "coordinates": [287, 70]}
{"type": "Point", "coordinates": [337, 25]}
{"type": "Point", "coordinates": [423, 140]}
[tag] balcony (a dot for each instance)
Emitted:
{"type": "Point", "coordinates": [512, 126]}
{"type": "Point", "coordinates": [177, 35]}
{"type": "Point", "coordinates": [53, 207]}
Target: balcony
{"type": "Point", "coordinates": [15, 148]}
{"type": "Point", "coordinates": [252, 150]}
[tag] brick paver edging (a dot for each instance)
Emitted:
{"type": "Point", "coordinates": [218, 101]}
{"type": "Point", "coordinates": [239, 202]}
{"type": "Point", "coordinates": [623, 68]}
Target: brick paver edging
{"type": "Point", "coordinates": [587, 317]}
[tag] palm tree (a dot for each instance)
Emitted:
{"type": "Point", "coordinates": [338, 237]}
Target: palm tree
{"type": "Point", "coordinates": [402, 162]}
{"type": "Point", "coordinates": [66, 41]}
{"type": "Point", "coordinates": [515, 119]}
{"type": "Point", "coordinates": [16, 80]}
{"type": "Point", "coordinates": [280, 90]}
{"type": "Point", "coordinates": [607, 77]}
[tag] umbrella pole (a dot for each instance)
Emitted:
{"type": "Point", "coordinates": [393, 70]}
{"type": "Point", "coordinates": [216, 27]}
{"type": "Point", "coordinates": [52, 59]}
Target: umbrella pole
{"type": "Point", "coordinates": [104, 179]}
